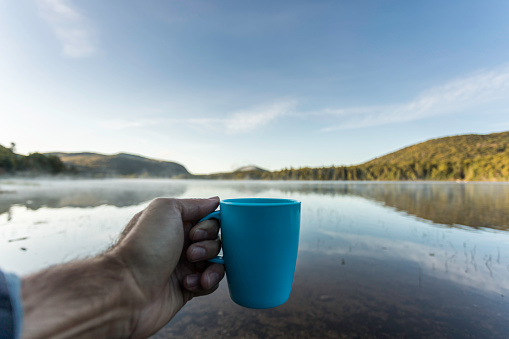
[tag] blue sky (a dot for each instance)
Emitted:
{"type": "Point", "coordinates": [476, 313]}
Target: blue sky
{"type": "Point", "coordinates": [215, 85]}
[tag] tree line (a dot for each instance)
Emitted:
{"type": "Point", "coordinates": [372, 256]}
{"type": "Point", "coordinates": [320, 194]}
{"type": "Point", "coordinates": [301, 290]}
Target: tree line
{"type": "Point", "coordinates": [34, 163]}
{"type": "Point", "coordinates": [485, 169]}
{"type": "Point", "coordinates": [465, 157]}
{"type": "Point", "coordinates": [494, 168]}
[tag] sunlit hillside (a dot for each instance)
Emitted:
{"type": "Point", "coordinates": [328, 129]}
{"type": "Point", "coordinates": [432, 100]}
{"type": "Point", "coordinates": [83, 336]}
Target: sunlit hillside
{"type": "Point", "coordinates": [470, 157]}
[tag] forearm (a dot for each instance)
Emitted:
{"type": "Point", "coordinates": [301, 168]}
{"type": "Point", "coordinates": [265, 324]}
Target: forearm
{"type": "Point", "coordinates": [79, 300]}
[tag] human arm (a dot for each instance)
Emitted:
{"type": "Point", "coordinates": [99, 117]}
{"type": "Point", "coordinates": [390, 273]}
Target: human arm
{"type": "Point", "coordinates": [137, 286]}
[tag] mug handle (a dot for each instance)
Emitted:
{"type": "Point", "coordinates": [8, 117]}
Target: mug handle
{"type": "Point", "coordinates": [214, 215]}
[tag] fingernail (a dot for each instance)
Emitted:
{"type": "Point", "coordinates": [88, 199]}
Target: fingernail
{"type": "Point", "coordinates": [192, 280]}
{"type": "Point", "coordinates": [214, 198]}
{"type": "Point", "coordinates": [212, 279]}
{"type": "Point", "coordinates": [197, 253]}
{"type": "Point", "coordinates": [200, 235]}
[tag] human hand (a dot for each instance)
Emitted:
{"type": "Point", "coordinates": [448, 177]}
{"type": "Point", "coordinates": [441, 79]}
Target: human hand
{"type": "Point", "coordinates": [165, 253]}
{"type": "Point", "coordinates": [136, 287]}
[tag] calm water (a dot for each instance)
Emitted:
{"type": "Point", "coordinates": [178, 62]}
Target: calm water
{"type": "Point", "coordinates": [375, 259]}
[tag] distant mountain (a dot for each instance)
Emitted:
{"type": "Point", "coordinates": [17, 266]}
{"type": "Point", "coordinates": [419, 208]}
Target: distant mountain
{"type": "Point", "coordinates": [250, 168]}
{"type": "Point", "coordinates": [250, 172]}
{"type": "Point", "coordinates": [122, 164]}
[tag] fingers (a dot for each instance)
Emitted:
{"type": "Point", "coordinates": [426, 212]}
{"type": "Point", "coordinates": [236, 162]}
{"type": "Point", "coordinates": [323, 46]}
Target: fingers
{"type": "Point", "coordinates": [206, 282]}
{"type": "Point", "coordinates": [205, 247]}
{"type": "Point", "coordinates": [205, 230]}
{"type": "Point", "coordinates": [161, 210]}
{"type": "Point", "coordinates": [212, 276]}
{"type": "Point", "coordinates": [195, 209]}
{"type": "Point", "coordinates": [203, 250]}
{"type": "Point", "coordinates": [207, 244]}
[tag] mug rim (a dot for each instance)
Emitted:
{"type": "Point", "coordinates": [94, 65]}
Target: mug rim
{"type": "Point", "coordinates": [259, 202]}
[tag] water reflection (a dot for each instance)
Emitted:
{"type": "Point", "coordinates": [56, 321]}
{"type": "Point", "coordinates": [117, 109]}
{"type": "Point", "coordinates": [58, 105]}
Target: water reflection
{"type": "Point", "coordinates": [454, 204]}
{"type": "Point", "coordinates": [35, 194]}
{"type": "Point", "coordinates": [476, 205]}
{"type": "Point", "coordinates": [370, 264]}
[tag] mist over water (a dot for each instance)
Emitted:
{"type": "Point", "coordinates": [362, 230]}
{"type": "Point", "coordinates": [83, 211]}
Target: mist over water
{"type": "Point", "coordinates": [402, 259]}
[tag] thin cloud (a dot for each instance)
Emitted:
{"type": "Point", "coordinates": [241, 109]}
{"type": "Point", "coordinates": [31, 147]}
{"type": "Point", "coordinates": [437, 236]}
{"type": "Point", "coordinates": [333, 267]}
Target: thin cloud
{"type": "Point", "coordinates": [243, 121]}
{"type": "Point", "coordinates": [465, 93]}
{"type": "Point", "coordinates": [120, 124]}
{"type": "Point", "coordinates": [71, 28]}
{"type": "Point", "coordinates": [248, 120]}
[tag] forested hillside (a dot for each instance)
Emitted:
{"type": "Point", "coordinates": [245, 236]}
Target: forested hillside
{"type": "Point", "coordinates": [464, 157]}
{"type": "Point", "coordinates": [470, 157]}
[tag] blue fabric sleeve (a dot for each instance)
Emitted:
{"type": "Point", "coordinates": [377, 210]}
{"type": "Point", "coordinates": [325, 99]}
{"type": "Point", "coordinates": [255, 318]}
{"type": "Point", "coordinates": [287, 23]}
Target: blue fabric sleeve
{"type": "Point", "coordinates": [11, 307]}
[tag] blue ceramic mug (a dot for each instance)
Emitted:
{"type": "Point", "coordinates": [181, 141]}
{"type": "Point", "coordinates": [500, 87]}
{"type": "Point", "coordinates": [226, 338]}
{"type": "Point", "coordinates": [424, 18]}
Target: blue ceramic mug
{"type": "Point", "coordinates": [260, 239]}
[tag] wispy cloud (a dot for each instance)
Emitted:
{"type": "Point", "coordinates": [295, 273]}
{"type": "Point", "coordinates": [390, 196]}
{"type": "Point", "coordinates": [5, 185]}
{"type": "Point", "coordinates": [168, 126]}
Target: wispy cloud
{"type": "Point", "coordinates": [242, 121]}
{"type": "Point", "coordinates": [72, 29]}
{"type": "Point", "coordinates": [247, 120]}
{"type": "Point", "coordinates": [469, 92]}
{"type": "Point", "coordinates": [119, 124]}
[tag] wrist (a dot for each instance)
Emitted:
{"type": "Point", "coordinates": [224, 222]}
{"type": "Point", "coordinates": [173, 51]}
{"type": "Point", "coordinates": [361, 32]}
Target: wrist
{"type": "Point", "coordinates": [124, 293]}
{"type": "Point", "coordinates": [80, 299]}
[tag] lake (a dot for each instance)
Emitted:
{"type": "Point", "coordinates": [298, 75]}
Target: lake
{"type": "Point", "coordinates": [376, 259]}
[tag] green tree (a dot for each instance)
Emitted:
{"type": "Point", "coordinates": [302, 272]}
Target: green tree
{"type": "Point", "coordinates": [7, 160]}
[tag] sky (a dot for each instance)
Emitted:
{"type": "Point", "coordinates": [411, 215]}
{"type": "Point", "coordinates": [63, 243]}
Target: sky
{"type": "Point", "coordinates": [216, 85]}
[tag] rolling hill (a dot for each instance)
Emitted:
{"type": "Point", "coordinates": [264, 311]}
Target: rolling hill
{"type": "Point", "coordinates": [470, 157]}
{"type": "Point", "coordinates": [455, 148]}
{"type": "Point", "coordinates": [122, 164]}
{"type": "Point", "coordinates": [462, 157]}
